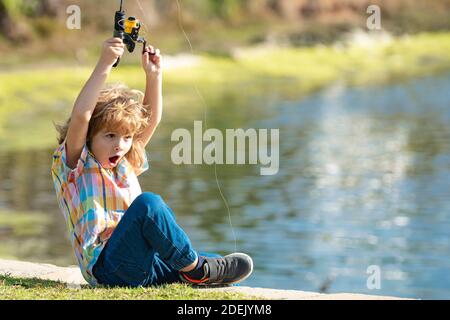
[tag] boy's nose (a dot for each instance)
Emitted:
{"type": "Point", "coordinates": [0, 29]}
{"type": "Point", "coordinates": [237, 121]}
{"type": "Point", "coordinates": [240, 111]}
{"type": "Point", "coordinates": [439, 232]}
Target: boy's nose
{"type": "Point", "coordinates": [118, 148]}
{"type": "Point", "coordinates": [120, 145]}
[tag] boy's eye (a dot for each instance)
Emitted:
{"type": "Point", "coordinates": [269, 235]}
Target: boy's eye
{"type": "Point", "coordinates": [128, 137]}
{"type": "Point", "coordinates": [110, 135]}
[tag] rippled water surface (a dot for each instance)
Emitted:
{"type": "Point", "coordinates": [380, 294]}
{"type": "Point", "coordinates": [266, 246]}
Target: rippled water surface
{"type": "Point", "coordinates": [364, 180]}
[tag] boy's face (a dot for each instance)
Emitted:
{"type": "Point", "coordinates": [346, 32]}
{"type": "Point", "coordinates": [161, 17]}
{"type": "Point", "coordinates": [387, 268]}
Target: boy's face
{"type": "Point", "coordinates": [109, 147]}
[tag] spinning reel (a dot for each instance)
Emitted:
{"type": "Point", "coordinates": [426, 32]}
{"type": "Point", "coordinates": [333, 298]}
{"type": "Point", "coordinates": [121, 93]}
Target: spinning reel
{"type": "Point", "coordinates": [127, 29]}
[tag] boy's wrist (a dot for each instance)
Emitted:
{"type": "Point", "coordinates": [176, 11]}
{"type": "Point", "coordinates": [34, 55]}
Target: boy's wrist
{"type": "Point", "coordinates": [151, 77]}
{"type": "Point", "coordinates": [103, 66]}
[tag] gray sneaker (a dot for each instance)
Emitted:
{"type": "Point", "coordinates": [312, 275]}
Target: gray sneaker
{"type": "Point", "coordinates": [230, 269]}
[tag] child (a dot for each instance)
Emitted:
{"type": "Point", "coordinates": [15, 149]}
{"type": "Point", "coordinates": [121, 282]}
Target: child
{"type": "Point", "coordinates": [121, 236]}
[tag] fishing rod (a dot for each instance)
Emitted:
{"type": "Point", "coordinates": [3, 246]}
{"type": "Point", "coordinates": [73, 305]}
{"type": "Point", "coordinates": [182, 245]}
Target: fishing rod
{"type": "Point", "coordinates": [127, 29]}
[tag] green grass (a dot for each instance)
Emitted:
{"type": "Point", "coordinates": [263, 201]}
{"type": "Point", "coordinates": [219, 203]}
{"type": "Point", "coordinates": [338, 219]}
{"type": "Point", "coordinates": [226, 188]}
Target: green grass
{"type": "Point", "coordinates": [31, 97]}
{"type": "Point", "coordinates": [12, 288]}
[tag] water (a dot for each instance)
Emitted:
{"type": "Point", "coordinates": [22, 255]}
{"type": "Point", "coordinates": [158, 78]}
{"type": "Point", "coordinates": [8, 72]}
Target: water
{"type": "Point", "coordinates": [363, 180]}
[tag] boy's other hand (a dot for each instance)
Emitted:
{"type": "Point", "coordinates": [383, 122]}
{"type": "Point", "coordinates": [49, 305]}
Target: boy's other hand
{"type": "Point", "coordinates": [112, 49]}
{"type": "Point", "coordinates": [151, 62]}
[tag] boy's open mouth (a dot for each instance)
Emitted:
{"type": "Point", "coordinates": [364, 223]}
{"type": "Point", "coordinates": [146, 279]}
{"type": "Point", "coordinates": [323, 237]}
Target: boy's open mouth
{"type": "Point", "coordinates": [114, 160]}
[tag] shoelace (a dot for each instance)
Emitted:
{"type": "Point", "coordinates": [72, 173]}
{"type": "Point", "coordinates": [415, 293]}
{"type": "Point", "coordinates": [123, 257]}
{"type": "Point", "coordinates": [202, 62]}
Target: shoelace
{"type": "Point", "coordinates": [221, 266]}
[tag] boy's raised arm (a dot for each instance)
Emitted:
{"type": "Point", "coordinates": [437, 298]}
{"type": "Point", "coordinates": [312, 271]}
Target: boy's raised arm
{"type": "Point", "coordinates": [153, 99]}
{"type": "Point", "coordinates": [87, 100]}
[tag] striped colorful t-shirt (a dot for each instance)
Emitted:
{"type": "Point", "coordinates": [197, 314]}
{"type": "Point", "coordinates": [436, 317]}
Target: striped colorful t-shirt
{"type": "Point", "coordinates": [93, 200]}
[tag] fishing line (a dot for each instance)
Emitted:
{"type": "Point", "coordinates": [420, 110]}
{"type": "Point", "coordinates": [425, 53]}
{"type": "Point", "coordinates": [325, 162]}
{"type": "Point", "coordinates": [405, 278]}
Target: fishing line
{"type": "Point", "coordinates": [143, 12]}
{"type": "Point", "coordinates": [205, 107]}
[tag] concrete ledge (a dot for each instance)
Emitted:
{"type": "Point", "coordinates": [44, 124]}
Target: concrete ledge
{"type": "Point", "coordinates": [72, 276]}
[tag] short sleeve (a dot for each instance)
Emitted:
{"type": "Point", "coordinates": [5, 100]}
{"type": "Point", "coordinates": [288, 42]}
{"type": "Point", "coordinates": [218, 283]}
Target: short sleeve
{"type": "Point", "coordinates": [145, 165]}
{"type": "Point", "coordinates": [59, 164]}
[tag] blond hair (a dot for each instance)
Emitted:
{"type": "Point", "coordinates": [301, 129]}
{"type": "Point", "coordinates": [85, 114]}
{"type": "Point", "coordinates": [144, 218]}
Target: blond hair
{"type": "Point", "coordinates": [118, 109]}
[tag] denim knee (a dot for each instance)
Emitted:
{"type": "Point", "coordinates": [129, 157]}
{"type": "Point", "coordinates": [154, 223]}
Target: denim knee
{"type": "Point", "coordinates": [152, 202]}
{"type": "Point", "coordinates": [149, 197]}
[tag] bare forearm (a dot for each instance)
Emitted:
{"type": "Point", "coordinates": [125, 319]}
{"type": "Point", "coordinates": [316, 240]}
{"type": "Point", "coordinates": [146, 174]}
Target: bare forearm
{"type": "Point", "coordinates": [153, 98]}
{"type": "Point", "coordinates": [87, 99]}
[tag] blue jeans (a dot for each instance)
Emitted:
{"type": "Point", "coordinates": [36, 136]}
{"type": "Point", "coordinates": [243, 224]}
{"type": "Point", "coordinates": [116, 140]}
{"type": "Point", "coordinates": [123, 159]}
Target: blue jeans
{"type": "Point", "coordinates": [146, 248]}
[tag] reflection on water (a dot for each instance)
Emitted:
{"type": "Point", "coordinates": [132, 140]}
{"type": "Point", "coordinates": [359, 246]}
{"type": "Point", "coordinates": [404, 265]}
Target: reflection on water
{"type": "Point", "coordinates": [363, 180]}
